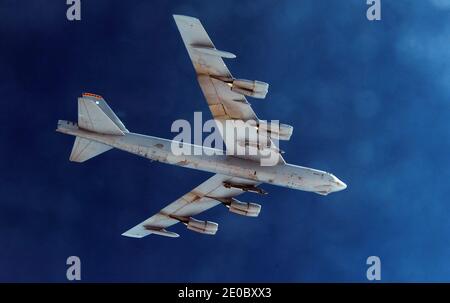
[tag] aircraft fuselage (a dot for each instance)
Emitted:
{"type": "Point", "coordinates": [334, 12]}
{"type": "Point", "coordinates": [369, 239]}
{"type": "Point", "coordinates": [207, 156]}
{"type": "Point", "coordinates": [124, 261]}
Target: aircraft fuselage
{"type": "Point", "coordinates": [159, 149]}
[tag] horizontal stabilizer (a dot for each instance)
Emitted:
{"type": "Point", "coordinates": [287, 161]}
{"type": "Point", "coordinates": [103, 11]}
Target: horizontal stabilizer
{"type": "Point", "coordinates": [84, 149]}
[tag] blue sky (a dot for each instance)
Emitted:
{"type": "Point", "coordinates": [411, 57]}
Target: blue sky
{"type": "Point", "coordinates": [369, 102]}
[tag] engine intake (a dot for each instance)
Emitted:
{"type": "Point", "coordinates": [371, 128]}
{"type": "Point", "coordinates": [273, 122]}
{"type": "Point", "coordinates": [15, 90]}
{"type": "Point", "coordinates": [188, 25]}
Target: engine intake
{"type": "Point", "coordinates": [281, 131]}
{"type": "Point", "coordinates": [203, 227]}
{"type": "Point", "coordinates": [244, 208]}
{"type": "Point", "coordinates": [251, 88]}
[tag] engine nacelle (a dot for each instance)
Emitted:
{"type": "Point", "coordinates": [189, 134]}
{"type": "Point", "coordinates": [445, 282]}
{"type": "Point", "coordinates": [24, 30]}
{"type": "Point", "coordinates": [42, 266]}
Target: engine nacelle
{"type": "Point", "coordinates": [203, 227]}
{"type": "Point", "coordinates": [255, 89]}
{"type": "Point", "coordinates": [244, 208]}
{"type": "Point", "coordinates": [282, 131]}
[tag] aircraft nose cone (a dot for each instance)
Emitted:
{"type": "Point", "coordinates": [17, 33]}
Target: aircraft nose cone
{"type": "Point", "coordinates": [343, 185]}
{"type": "Point", "coordinates": [339, 185]}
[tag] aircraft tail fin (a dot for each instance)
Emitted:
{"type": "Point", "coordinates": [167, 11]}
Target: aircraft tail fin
{"type": "Point", "coordinates": [95, 115]}
{"type": "Point", "coordinates": [85, 149]}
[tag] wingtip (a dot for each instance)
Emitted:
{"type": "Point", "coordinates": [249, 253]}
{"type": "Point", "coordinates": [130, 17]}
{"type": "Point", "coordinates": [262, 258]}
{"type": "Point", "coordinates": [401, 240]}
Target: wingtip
{"type": "Point", "coordinates": [130, 235]}
{"type": "Point", "coordinates": [184, 18]}
{"type": "Point", "coordinates": [138, 234]}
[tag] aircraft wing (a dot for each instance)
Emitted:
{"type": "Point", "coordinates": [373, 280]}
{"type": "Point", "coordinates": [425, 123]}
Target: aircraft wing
{"type": "Point", "coordinates": [216, 81]}
{"type": "Point", "coordinates": [209, 66]}
{"type": "Point", "coordinates": [194, 202]}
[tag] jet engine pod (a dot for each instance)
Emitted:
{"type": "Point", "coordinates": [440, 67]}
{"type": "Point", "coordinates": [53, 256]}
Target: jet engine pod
{"type": "Point", "coordinates": [280, 130]}
{"type": "Point", "coordinates": [255, 89]}
{"type": "Point", "coordinates": [245, 208]}
{"type": "Point", "coordinates": [203, 227]}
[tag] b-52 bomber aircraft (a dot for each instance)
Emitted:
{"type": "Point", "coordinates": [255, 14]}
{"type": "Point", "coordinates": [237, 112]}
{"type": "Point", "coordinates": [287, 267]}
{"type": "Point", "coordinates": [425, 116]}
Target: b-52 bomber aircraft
{"type": "Point", "coordinates": [99, 130]}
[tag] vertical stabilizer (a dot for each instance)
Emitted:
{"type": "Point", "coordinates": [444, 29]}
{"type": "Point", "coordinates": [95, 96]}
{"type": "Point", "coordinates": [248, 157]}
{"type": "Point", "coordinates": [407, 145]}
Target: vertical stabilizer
{"type": "Point", "coordinates": [95, 115]}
